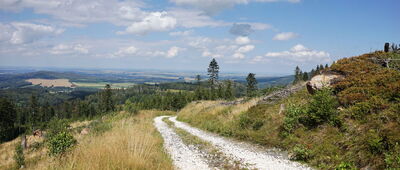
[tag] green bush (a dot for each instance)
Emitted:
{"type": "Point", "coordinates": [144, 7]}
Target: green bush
{"type": "Point", "coordinates": [321, 109]}
{"type": "Point", "coordinates": [99, 127]}
{"type": "Point", "coordinates": [376, 144]}
{"type": "Point", "coordinates": [300, 153]}
{"type": "Point", "coordinates": [60, 143]}
{"type": "Point", "coordinates": [130, 107]}
{"type": "Point", "coordinates": [345, 166]}
{"type": "Point", "coordinates": [291, 120]}
{"type": "Point", "coordinates": [19, 156]}
{"type": "Point", "coordinates": [56, 126]}
{"type": "Point", "coordinates": [392, 159]}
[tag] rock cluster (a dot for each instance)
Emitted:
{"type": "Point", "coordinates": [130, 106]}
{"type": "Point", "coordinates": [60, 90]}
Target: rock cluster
{"type": "Point", "coordinates": [323, 80]}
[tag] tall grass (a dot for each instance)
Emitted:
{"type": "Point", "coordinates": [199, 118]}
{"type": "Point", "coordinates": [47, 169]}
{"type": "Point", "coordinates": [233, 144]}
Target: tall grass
{"type": "Point", "coordinates": [132, 143]}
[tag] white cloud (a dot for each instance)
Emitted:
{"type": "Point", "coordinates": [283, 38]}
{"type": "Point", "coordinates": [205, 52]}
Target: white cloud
{"type": "Point", "coordinates": [215, 6]}
{"type": "Point", "coordinates": [210, 6]}
{"type": "Point", "coordinates": [298, 48]}
{"type": "Point", "coordinates": [299, 53]}
{"type": "Point", "coordinates": [81, 11]}
{"type": "Point", "coordinates": [181, 33]}
{"type": "Point", "coordinates": [285, 36]}
{"type": "Point", "coordinates": [238, 56]}
{"type": "Point", "coordinates": [21, 32]}
{"type": "Point", "coordinates": [242, 40]}
{"type": "Point", "coordinates": [257, 59]}
{"type": "Point", "coordinates": [155, 21]}
{"type": "Point", "coordinates": [69, 49]}
{"type": "Point", "coordinates": [125, 51]}
{"type": "Point", "coordinates": [194, 18]}
{"type": "Point", "coordinates": [246, 48]}
{"type": "Point", "coordinates": [173, 52]}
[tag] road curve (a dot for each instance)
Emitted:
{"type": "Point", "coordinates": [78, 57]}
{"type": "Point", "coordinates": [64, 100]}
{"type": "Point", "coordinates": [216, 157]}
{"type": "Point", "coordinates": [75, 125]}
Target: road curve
{"type": "Point", "coordinates": [256, 157]}
{"type": "Point", "coordinates": [183, 157]}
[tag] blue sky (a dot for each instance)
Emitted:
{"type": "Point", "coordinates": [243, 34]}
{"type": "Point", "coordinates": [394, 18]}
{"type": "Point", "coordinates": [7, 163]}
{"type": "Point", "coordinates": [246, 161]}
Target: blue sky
{"type": "Point", "coordinates": [261, 36]}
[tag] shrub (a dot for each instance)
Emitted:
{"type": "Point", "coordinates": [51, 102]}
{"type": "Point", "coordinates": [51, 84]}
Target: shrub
{"type": "Point", "coordinates": [100, 127]}
{"type": "Point", "coordinates": [19, 156]}
{"type": "Point", "coordinates": [374, 105]}
{"type": "Point", "coordinates": [300, 153]}
{"type": "Point", "coordinates": [376, 144]}
{"type": "Point", "coordinates": [130, 107]}
{"type": "Point", "coordinates": [60, 143]}
{"type": "Point", "coordinates": [345, 166]}
{"type": "Point", "coordinates": [291, 120]}
{"type": "Point", "coordinates": [322, 108]}
{"type": "Point", "coordinates": [392, 159]}
{"type": "Point", "coordinates": [56, 126]}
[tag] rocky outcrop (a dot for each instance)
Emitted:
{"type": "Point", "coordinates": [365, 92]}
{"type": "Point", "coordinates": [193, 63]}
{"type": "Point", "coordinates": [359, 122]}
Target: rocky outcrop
{"type": "Point", "coordinates": [280, 94]}
{"type": "Point", "coordinates": [323, 80]}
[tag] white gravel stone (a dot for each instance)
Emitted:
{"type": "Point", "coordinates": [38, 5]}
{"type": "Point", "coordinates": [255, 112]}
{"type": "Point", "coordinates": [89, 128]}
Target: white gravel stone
{"type": "Point", "coordinates": [183, 157]}
{"type": "Point", "coordinates": [255, 156]}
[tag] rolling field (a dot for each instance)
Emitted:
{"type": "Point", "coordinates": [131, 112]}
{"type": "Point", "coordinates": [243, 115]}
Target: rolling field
{"type": "Point", "coordinates": [51, 82]}
{"type": "Point", "coordinates": [100, 85]}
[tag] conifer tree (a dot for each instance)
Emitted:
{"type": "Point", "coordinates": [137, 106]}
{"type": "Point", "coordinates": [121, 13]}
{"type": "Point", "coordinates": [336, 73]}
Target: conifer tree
{"type": "Point", "coordinates": [251, 85]}
{"type": "Point", "coordinates": [229, 90]}
{"type": "Point", "coordinates": [7, 119]}
{"type": "Point", "coordinates": [34, 117]}
{"type": "Point", "coordinates": [213, 70]}
{"type": "Point", "coordinates": [106, 99]}
{"type": "Point", "coordinates": [297, 75]}
{"type": "Point", "coordinates": [305, 76]}
{"type": "Point", "coordinates": [198, 79]}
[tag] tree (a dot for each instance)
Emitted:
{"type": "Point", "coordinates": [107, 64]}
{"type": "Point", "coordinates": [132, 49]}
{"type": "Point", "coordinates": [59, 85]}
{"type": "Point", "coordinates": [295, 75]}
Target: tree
{"type": "Point", "coordinates": [7, 119]}
{"type": "Point", "coordinates": [107, 103]}
{"type": "Point", "coordinates": [198, 79]}
{"type": "Point", "coordinates": [229, 90]}
{"type": "Point", "coordinates": [34, 117]}
{"type": "Point", "coordinates": [305, 76]}
{"type": "Point", "coordinates": [312, 73]}
{"type": "Point", "coordinates": [251, 85]}
{"type": "Point", "coordinates": [213, 70]}
{"type": "Point", "coordinates": [297, 75]}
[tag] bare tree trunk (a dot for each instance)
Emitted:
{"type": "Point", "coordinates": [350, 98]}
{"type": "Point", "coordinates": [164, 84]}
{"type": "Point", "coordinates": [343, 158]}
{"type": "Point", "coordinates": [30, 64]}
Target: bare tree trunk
{"type": "Point", "coordinates": [282, 109]}
{"type": "Point", "coordinates": [23, 142]}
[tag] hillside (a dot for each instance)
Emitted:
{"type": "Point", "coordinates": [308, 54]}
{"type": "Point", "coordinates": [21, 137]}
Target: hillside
{"type": "Point", "coordinates": [354, 124]}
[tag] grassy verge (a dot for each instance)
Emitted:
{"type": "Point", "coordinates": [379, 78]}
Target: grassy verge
{"type": "Point", "coordinates": [115, 141]}
{"type": "Point", "coordinates": [215, 158]}
{"type": "Point", "coordinates": [132, 143]}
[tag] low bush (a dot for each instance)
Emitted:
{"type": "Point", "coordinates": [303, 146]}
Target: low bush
{"type": "Point", "coordinates": [322, 108]}
{"type": "Point", "coordinates": [300, 153]}
{"type": "Point", "coordinates": [19, 156]}
{"type": "Point", "coordinates": [345, 166]}
{"type": "Point", "coordinates": [60, 143]}
{"type": "Point", "coordinates": [99, 126]}
{"type": "Point", "coordinates": [392, 159]}
{"type": "Point", "coordinates": [291, 120]}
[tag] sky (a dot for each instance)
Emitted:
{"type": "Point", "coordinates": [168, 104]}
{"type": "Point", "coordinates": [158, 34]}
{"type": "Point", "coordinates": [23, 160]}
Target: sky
{"type": "Point", "coordinates": [259, 36]}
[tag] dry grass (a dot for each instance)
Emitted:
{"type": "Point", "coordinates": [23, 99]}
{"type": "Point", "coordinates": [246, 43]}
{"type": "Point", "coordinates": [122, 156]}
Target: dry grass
{"type": "Point", "coordinates": [51, 82]}
{"type": "Point", "coordinates": [215, 108]}
{"type": "Point", "coordinates": [133, 143]}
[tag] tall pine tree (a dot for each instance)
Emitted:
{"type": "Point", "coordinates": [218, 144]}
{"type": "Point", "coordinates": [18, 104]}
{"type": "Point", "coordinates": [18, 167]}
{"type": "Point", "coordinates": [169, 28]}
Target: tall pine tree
{"type": "Point", "coordinates": [107, 102]}
{"type": "Point", "coordinates": [7, 119]}
{"type": "Point", "coordinates": [251, 85]}
{"type": "Point", "coordinates": [213, 70]}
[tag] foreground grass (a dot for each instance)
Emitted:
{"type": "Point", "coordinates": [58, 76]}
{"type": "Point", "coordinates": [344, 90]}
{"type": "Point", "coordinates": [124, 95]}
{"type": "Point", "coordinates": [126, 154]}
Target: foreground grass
{"type": "Point", "coordinates": [132, 143]}
{"type": "Point", "coordinates": [116, 141]}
